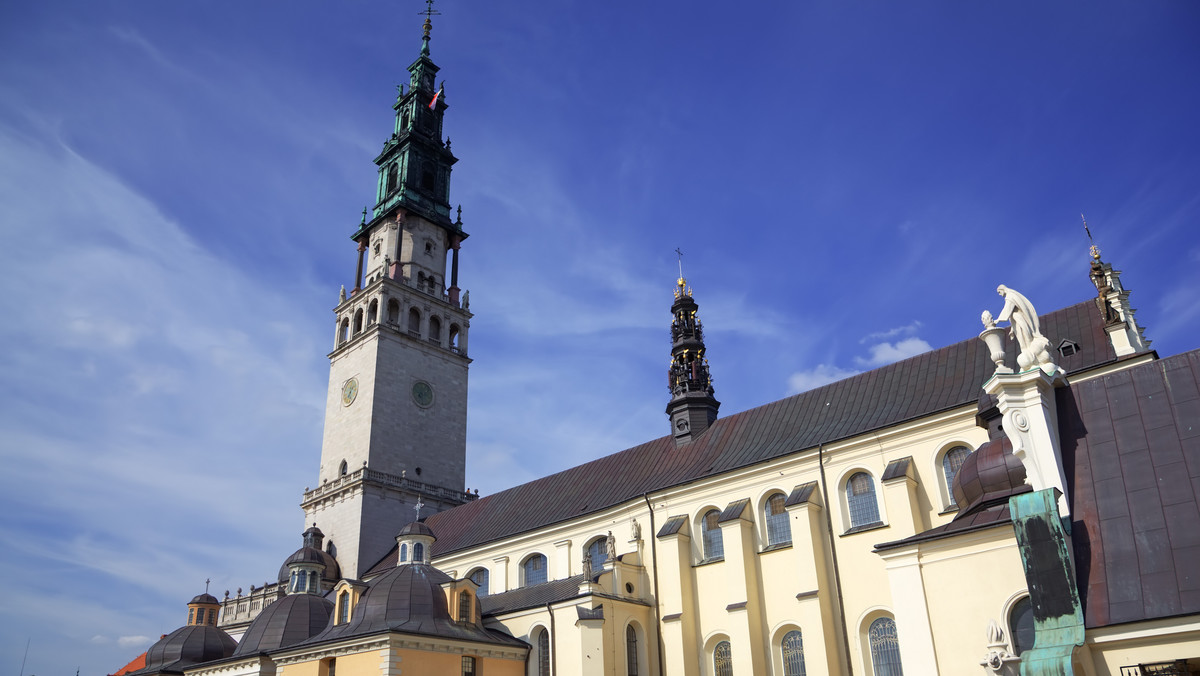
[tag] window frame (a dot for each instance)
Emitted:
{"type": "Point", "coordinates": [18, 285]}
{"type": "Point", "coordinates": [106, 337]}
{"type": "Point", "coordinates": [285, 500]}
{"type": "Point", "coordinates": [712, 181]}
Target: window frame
{"type": "Point", "coordinates": [712, 542]}
{"type": "Point", "coordinates": [844, 499]}
{"type": "Point", "coordinates": [946, 483]}
{"type": "Point", "coordinates": [524, 570]}
{"type": "Point", "coordinates": [781, 520]}
{"type": "Point", "coordinates": [482, 589]}
{"type": "Point", "coordinates": [871, 656]}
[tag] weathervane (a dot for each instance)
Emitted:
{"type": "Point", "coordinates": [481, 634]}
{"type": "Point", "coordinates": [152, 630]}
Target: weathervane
{"type": "Point", "coordinates": [429, 13]}
{"type": "Point", "coordinates": [1094, 249]}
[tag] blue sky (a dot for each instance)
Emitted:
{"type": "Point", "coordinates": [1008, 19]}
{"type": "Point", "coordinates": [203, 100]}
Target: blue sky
{"type": "Point", "coordinates": [849, 181]}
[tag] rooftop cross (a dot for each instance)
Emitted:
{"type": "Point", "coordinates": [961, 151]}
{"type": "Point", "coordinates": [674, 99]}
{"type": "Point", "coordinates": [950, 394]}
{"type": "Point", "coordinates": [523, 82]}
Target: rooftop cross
{"type": "Point", "coordinates": [680, 254]}
{"type": "Point", "coordinates": [206, 581]}
{"type": "Point", "coordinates": [429, 13]}
{"type": "Point", "coordinates": [1094, 249]}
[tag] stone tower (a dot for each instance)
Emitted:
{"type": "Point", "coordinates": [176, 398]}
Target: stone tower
{"type": "Point", "coordinates": [692, 407]}
{"type": "Point", "coordinates": [396, 410]}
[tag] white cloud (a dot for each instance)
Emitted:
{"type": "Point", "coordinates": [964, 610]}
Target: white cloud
{"type": "Point", "coordinates": [822, 374]}
{"type": "Point", "coordinates": [133, 641]}
{"type": "Point", "coordinates": [906, 330]}
{"type": "Point", "coordinates": [886, 353]}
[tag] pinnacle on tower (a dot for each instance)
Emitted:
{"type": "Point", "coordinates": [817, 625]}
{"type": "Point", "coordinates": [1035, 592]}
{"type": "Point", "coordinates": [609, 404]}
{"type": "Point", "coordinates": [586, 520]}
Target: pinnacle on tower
{"type": "Point", "coordinates": [692, 408]}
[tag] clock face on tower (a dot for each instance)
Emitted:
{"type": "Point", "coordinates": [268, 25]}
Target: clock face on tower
{"type": "Point", "coordinates": [422, 393]}
{"type": "Point", "coordinates": [349, 391]}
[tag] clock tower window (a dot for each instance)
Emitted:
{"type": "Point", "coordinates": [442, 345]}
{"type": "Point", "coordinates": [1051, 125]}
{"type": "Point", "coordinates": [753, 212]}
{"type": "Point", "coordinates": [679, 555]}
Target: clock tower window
{"type": "Point", "coordinates": [414, 321]}
{"type": "Point", "coordinates": [435, 330]}
{"type": "Point", "coordinates": [393, 311]}
{"type": "Point", "coordinates": [373, 312]}
{"type": "Point", "coordinates": [358, 321]}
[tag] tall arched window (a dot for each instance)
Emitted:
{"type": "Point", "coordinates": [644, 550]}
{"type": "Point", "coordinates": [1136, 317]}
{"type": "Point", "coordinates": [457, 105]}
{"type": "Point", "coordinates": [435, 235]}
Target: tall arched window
{"type": "Point", "coordinates": [344, 331]}
{"type": "Point", "coordinates": [723, 659]}
{"type": "Point", "coordinates": [778, 532]}
{"type": "Point", "coordinates": [392, 176]}
{"type": "Point", "coordinates": [533, 570]}
{"type": "Point", "coordinates": [404, 553]}
{"type": "Point", "coordinates": [1020, 625]}
{"type": "Point", "coordinates": [414, 321]}
{"type": "Point", "coordinates": [885, 647]}
{"type": "Point", "coordinates": [542, 641]}
{"type": "Point", "coordinates": [393, 311]}
{"type": "Point", "coordinates": [714, 546]}
{"type": "Point", "coordinates": [480, 577]}
{"type": "Point", "coordinates": [312, 581]}
{"type": "Point", "coordinates": [793, 654]}
{"type": "Point", "coordinates": [454, 336]}
{"type": "Point", "coordinates": [358, 319]}
{"type": "Point", "coordinates": [631, 650]}
{"type": "Point", "coordinates": [343, 607]}
{"type": "Point", "coordinates": [435, 329]}
{"type": "Point", "coordinates": [464, 607]}
{"type": "Point", "coordinates": [860, 500]}
{"type": "Point", "coordinates": [599, 553]}
{"type": "Point", "coordinates": [951, 461]}
{"type": "Point", "coordinates": [343, 468]}
{"type": "Point", "coordinates": [418, 553]}
{"type": "Point", "coordinates": [373, 312]}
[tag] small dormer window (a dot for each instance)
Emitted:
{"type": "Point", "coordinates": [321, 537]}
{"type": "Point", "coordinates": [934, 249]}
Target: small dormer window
{"type": "Point", "coordinates": [1068, 347]}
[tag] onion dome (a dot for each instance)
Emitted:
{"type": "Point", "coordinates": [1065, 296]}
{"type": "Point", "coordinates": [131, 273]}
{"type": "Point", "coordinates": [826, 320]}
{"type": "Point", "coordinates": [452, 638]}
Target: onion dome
{"type": "Point", "coordinates": [199, 641]}
{"type": "Point", "coordinates": [292, 619]}
{"type": "Point", "coordinates": [416, 528]}
{"type": "Point", "coordinates": [991, 474]}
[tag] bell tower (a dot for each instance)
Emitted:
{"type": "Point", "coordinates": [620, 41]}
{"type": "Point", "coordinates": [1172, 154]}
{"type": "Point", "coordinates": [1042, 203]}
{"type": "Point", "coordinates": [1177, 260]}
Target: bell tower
{"type": "Point", "coordinates": [396, 409]}
{"type": "Point", "coordinates": [692, 408]}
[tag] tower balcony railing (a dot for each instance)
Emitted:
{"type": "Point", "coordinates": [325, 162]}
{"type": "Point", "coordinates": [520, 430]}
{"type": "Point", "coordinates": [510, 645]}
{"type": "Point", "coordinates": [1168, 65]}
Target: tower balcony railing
{"type": "Point", "coordinates": [392, 480]}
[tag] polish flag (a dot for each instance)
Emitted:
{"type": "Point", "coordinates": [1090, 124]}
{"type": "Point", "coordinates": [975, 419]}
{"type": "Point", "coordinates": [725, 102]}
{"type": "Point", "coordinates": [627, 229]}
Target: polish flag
{"type": "Point", "coordinates": [438, 95]}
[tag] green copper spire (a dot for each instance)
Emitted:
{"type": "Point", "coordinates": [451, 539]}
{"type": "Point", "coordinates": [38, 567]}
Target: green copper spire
{"type": "Point", "coordinates": [429, 13]}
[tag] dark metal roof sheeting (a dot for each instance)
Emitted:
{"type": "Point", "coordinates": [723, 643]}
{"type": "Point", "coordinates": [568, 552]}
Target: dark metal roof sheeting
{"type": "Point", "coordinates": [897, 468]}
{"type": "Point", "coordinates": [672, 525]}
{"type": "Point", "coordinates": [734, 511]}
{"type": "Point", "coordinates": [288, 621]}
{"type": "Point", "coordinates": [531, 597]}
{"type": "Point", "coordinates": [928, 383]}
{"type": "Point", "coordinates": [185, 647]}
{"type": "Point", "coordinates": [1131, 450]}
{"type": "Point", "coordinates": [801, 494]}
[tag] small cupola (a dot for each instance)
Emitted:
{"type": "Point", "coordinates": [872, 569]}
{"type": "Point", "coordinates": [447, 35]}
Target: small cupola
{"type": "Point", "coordinates": [309, 570]}
{"type": "Point", "coordinates": [202, 610]}
{"type": "Point", "coordinates": [415, 542]}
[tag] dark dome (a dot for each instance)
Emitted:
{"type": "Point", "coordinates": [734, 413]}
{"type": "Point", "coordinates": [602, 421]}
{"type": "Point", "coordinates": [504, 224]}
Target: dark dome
{"type": "Point", "coordinates": [312, 555]}
{"type": "Point", "coordinates": [991, 473]}
{"type": "Point", "coordinates": [416, 528]}
{"type": "Point", "coordinates": [204, 598]}
{"type": "Point", "coordinates": [187, 646]}
{"type": "Point", "coordinates": [408, 598]}
{"type": "Point", "coordinates": [293, 619]}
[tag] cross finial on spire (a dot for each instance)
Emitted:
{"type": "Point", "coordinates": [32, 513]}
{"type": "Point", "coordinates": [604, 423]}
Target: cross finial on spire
{"type": "Point", "coordinates": [429, 13]}
{"type": "Point", "coordinates": [206, 582]}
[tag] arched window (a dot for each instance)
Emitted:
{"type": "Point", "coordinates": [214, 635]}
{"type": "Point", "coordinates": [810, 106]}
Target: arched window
{"type": "Point", "coordinates": [951, 461]}
{"type": "Point", "coordinates": [468, 665]}
{"type": "Point", "coordinates": [344, 331]}
{"type": "Point", "coordinates": [480, 577]}
{"type": "Point", "coordinates": [312, 581]}
{"type": "Point", "coordinates": [343, 607]}
{"type": "Point", "coordinates": [404, 552]}
{"type": "Point", "coordinates": [778, 532]}
{"type": "Point", "coordinates": [464, 607]}
{"type": "Point", "coordinates": [373, 312]}
{"type": "Point", "coordinates": [1020, 625]}
{"type": "Point", "coordinates": [358, 319]}
{"type": "Point", "coordinates": [723, 659]}
{"type": "Point", "coordinates": [885, 647]}
{"type": "Point", "coordinates": [392, 176]}
{"type": "Point", "coordinates": [454, 336]}
{"type": "Point", "coordinates": [191, 615]}
{"type": "Point", "coordinates": [414, 321]}
{"type": "Point", "coordinates": [418, 553]}
{"type": "Point", "coordinates": [599, 552]}
{"type": "Point", "coordinates": [714, 546]}
{"type": "Point", "coordinates": [427, 176]}
{"type": "Point", "coordinates": [542, 641]}
{"type": "Point", "coordinates": [435, 329]}
{"type": "Point", "coordinates": [860, 500]}
{"type": "Point", "coordinates": [793, 654]}
{"type": "Point", "coordinates": [533, 570]}
{"type": "Point", "coordinates": [343, 469]}
{"type": "Point", "coordinates": [393, 311]}
{"type": "Point", "coordinates": [199, 616]}
{"type": "Point", "coordinates": [631, 650]}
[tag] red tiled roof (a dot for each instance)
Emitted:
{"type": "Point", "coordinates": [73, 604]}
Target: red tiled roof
{"type": "Point", "coordinates": [922, 385]}
{"type": "Point", "coordinates": [137, 663]}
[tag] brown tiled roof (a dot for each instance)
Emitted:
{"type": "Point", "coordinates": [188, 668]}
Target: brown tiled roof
{"type": "Point", "coordinates": [1131, 451]}
{"type": "Point", "coordinates": [928, 383]}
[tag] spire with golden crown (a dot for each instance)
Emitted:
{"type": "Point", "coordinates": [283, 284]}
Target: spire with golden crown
{"type": "Point", "coordinates": [692, 408]}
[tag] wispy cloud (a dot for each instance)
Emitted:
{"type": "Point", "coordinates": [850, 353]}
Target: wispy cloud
{"type": "Point", "coordinates": [886, 353]}
{"type": "Point", "coordinates": [821, 374]}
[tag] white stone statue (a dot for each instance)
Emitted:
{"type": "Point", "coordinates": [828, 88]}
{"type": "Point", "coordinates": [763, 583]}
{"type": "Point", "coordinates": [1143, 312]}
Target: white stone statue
{"type": "Point", "coordinates": [610, 543]}
{"type": "Point", "coordinates": [342, 295]}
{"type": "Point", "coordinates": [1023, 319]}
